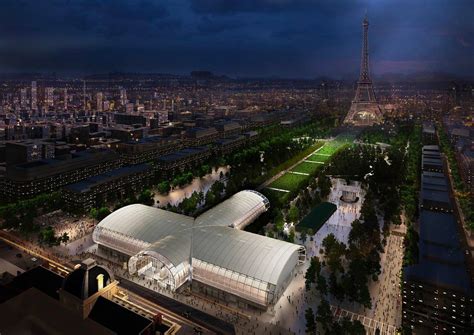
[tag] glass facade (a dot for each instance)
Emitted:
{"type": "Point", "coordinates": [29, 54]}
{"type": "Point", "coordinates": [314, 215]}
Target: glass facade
{"type": "Point", "coordinates": [161, 245]}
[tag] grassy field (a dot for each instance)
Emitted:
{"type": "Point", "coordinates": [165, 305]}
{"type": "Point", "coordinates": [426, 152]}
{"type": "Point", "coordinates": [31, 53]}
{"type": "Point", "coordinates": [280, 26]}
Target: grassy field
{"type": "Point", "coordinates": [330, 148]}
{"type": "Point", "coordinates": [288, 181]}
{"type": "Point", "coordinates": [275, 196]}
{"type": "Point", "coordinates": [317, 217]}
{"type": "Point", "coordinates": [291, 181]}
{"type": "Point", "coordinates": [294, 159]}
{"type": "Point", "coordinates": [318, 158]}
{"type": "Point", "coordinates": [306, 167]}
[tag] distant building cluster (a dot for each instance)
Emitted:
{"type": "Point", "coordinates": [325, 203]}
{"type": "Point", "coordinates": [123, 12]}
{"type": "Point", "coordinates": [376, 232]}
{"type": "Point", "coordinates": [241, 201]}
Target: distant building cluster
{"type": "Point", "coordinates": [461, 136]}
{"type": "Point", "coordinates": [91, 143]}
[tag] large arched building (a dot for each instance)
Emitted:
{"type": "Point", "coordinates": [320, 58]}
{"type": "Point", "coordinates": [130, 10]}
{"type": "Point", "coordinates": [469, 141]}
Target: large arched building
{"type": "Point", "coordinates": [210, 251]}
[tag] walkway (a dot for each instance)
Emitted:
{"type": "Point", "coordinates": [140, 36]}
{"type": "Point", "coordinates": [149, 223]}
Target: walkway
{"type": "Point", "coordinates": [370, 325]}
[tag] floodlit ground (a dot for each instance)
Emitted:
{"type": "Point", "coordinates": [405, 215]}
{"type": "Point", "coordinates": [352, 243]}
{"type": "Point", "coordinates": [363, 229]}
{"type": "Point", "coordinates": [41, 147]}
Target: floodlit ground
{"type": "Point", "coordinates": [386, 298]}
{"type": "Point", "coordinates": [75, 227]}
{"type": "Point", "coordinates": [339, 223]}
{"type": "Point", "coordinates": [306, 167]}
{"type": "Point", "coordinates": [289, 181]}
{"type": "Point", "coordinates": [319, 158]}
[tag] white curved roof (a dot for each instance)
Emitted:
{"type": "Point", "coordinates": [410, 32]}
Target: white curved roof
{"type": "Point", "coordinates": [233, 210]}
{"type": "Point", "coordinates": [145, 223]}
{"type": "Point", "coordinates": [253, 255]}
{"type": "Point", "coordinates": [175, 248]}
{"type": "Point", "coordinates": [213, 241]}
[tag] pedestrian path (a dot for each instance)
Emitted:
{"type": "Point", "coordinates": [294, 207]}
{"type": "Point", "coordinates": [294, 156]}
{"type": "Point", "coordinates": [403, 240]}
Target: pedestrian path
{"type": "Point", "coordinates": [314, 162]}
{"type": "Point", "coordinates": [370, 325]}
{"type": "Point", "coordinates": [299, 173]}
{"type": "Point", "coordinates": [278, 189]}
{"type": "Point", "coordinates": [386, 291]}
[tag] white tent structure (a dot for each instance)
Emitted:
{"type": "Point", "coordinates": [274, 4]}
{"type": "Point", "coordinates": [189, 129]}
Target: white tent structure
{"type": "Point", "coordinates": [172, 248]}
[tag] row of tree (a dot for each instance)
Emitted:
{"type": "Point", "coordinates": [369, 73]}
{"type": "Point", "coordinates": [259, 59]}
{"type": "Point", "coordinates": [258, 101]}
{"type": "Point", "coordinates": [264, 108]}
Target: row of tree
{"type": "Point", "coordinates": [20, 215]}
{"type": "Point", "coordinates": [198, 202]}
{"type": "Point", "coordinates": [465, 199]}
{"type": "Point", "coordinates": [47, 236]}
{"type": "Point", "coordinates": [348, 270]}
{"type": "Point", "coordinates": [324, 323]}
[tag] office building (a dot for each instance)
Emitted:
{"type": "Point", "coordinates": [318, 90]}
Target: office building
{"type": "Point", "coordinates": [48, 175]}
{"type": "Point", "coordinates": [34, 96]}
{"type": "Point", "coordinates": [183, 159]}
{"type": "Point", "coordinates": [49, 97]}
{"type": "Point", "coordinates": [123, 97]}
{"type": "Point", "coordinates": [436, 292]}
{"type": "Point", "coordinates": [23, 98]}
{"type": "Point", "coordinates": [99, 101]}
{"type": "Point", "coordinates": [109, 186]}
{"type": "Point", "coordinates": [18, 152]}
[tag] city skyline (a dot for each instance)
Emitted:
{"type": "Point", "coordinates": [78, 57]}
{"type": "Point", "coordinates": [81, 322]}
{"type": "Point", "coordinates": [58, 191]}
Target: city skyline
{"type": "Point", "coordinates": [236, 167]}
{"type": "Point", "coordinates": [288, 39]}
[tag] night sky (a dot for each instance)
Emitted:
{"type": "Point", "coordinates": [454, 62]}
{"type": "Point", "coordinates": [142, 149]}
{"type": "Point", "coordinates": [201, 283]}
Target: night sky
{"type": "Point", "coordinates": [256, 38]}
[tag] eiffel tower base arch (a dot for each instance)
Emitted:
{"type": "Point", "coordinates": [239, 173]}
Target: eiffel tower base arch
{"type": "Point", "coordinates": [364, 114]}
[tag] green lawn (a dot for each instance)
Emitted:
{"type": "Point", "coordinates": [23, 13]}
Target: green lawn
{"type": "Point", "coordinates": [288, 181]}
{"type": "Point", "coordinates": [317, 217]}
{"type": "Point", "coordinates": [318, 158]}
{"type": "Point", "coordinates": [330, 148]}
{"type": "Point", "coordinates": [306, 167]}
{"type": "Point", "coordinates": [291, 181]}
{"type": "Point", "coordinates": [274, 196]}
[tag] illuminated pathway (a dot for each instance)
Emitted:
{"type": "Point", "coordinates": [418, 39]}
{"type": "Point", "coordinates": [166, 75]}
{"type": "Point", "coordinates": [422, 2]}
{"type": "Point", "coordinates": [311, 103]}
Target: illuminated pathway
{"type": "Point", "coordinates": [370, 325]}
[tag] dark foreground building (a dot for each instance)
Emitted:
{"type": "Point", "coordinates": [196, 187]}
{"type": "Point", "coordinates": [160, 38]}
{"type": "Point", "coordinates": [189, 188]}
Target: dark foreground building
{"type": "Point", "coordinates": [41, 301]}
{"type": "Point", "coordinates": [437, 294]}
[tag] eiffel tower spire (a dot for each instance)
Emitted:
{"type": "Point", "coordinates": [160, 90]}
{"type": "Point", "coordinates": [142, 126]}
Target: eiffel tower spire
{"type": "Point", "coordinates": [364, 66]}
{"type": "Point", "coordinates": [364, 108]}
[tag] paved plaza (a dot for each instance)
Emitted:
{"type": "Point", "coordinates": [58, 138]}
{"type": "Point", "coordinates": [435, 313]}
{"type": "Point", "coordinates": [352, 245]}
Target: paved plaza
{"type": "Point", "coordinates": [340, 222]}
{"type": "Point", "coordinates": [385, 293]}
{"type": "Point", "coordinates": [371, 325]}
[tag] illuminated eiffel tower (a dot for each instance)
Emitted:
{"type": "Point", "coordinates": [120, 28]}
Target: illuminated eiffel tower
{"type": "Point", "coordinates": [364, 110]}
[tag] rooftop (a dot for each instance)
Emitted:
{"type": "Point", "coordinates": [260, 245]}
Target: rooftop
{"type": "Point", "coordinates": [440, 275]}
{"type": "Point", "coordinates": [438, 228]}
{"type": "Point", "coordinates": [153, 230]}
{"type": "Point", "coordinates": [117, 318]}
{"type": "Point", "coordinates": [87, 184]}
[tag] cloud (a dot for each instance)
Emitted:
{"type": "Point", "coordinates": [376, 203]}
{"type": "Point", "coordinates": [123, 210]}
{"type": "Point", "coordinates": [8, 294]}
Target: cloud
{"type": "Point", "coordinates": [295, 38]}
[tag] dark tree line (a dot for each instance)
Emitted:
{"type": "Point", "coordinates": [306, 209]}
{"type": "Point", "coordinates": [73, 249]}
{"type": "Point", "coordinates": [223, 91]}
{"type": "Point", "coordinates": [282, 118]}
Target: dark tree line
{"type": "Point", "coordinates": [20, 215]}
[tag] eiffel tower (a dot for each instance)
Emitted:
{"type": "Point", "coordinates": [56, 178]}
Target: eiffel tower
{"type": "Point", "coordinates": [364, 110]}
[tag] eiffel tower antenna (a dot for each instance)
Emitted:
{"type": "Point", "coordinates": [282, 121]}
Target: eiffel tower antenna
{"type": "Point", "coordinates": [364, 108]}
